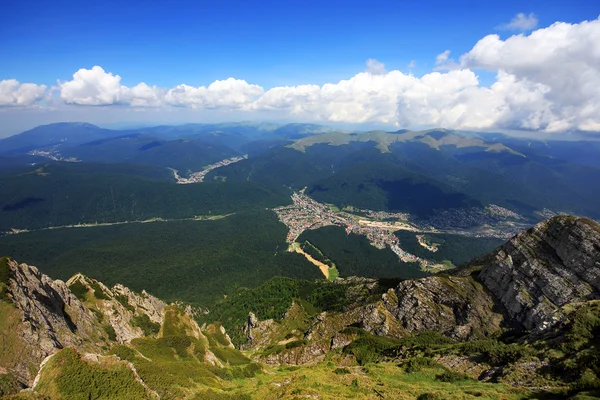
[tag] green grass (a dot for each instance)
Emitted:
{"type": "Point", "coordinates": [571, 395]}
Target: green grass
{"type": "Point", "coordinates": [67, 376]}
{"type": "Point", "coordinates": [230, 356]}
{"type": "Point", "coordinates": [4, 274]}
{"type": "Point", "coordinates": [333, 274]}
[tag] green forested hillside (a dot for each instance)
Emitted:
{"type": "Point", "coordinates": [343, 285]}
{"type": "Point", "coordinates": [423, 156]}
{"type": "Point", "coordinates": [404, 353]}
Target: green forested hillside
{"type": "Point", "coordinates": [64, 194]}
{"type": "Point", "coordinates": [182, 154]}
{"type": "Point", "coordinates": [195, 261]}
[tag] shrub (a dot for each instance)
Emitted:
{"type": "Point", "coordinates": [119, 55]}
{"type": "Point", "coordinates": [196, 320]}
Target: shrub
{"type": "Point", "coordinates": [416, 364]}
{"type": "Point", "coordinates": [98, 292]}
{"type": "Point", "coordinates": [588, 381]}
{"type": "Point", "coordinates": [451, 376]}
{"type": "Point", "coordinates": [179, 343]}
{"type": "Point", "coordinates": [296, 343]}
{"type": "Point", "coordinates": [507, 354]}
{"type": "Point", "coordinates": [124, 300]}
{"type": "Point", "coordinates": [8, 385]}
{"type": "Point", "coordinates": [79, 290]}
{"type": "Point", "coordinates": [110, 331]}
{"type": "Point", "coordinates": [584, 327]}
{"type": "Point", "coordinates": [425, 340]}
{"type": "Point", "coordinates": [143, 322]}
{"type": "Point", "coordinates": [123, 352]}
{"type": "Point", "coordinates": [79, 380]}
{"type": "Point", "coordinates": [367, 347]}
{"type": "Point", "coordinates": [341, 371]}
{"type": "Point", "coordinates": [429, 396]}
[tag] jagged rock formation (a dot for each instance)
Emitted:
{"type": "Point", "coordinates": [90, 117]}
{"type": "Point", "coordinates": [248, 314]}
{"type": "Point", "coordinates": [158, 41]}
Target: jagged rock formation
{"type": "Point", "coordinates": [458, 307]}
{"type": "Point", "coordinates": [119, 306]}
{"type": "Point", "coordinates": [44, 315]}
{"type": "Point", "coordinates": [544, 268]}
{"type": "Point", "coordinates": [526, 281]}
{"type": "Point", "coordinates": [51, 318]}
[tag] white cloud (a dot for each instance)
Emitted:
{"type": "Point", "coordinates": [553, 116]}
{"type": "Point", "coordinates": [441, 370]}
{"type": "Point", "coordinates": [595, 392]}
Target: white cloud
{"type": "Point", "coordinates": [92, 87]}
{"type": "Point", "coordinates": [412, 64]}
{"type": "Point", "coordinates": [13, 93]}
{"type": "Point", "coordinates": [521, 22]}
{"type": "Point", "coordinates": [142, 95]}
{"type": "Point", "coordinates": [227, 94]}
{"type": "Point", "coordinates": [442, 58]}
{"type": "Point", "coordinates": [559, 66]}
{"type": "Point", "coordinates": [95, 87]}
{"type": "Point", "coordinates": [546, 80]}
{"type": "Point", "coordinates": [375, 67]}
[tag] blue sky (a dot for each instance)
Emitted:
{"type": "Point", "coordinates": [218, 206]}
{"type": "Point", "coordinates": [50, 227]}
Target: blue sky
{"type": "Point", "coordinates": [265, 43]}
{"type": "Point", "coordinates": [285, 42]}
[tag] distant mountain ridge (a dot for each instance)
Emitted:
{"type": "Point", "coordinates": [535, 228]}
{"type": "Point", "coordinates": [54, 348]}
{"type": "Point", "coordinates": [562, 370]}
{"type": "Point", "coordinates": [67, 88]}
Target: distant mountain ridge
{"type": "Point", "coordinates": [533, 178]}
{"type": "Point", "coordinates": [434, 138]}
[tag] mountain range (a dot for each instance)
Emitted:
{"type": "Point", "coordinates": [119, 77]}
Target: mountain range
{"type": "Point", "coordinates": [366, 169]}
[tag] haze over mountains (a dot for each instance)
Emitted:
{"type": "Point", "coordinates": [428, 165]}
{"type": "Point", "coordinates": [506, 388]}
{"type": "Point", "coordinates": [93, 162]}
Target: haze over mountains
{"type": "Point", "coordinates": [464, 169]}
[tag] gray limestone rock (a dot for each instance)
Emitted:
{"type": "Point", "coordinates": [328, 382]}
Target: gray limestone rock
{"type": "Point", "coordinates": [544, 268]}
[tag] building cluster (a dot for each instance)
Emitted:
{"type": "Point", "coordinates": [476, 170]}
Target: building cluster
{"type": "Point", "coordinates": [384, 215]}
{"type": "Point", "coordinates": [469, 218]}
{"type": "Point", "coordinates": [307, 214]}
{"type": "Point", "coordinates": [379, 226]}
{"type": "Point", "coordinates": [52, 154]}
{"type": "Point", "coordinates": [197, 177]}
{"type": "Point", "coordinates": [502, 212]}
{"type": "Point", "coordinates": [433, 247]}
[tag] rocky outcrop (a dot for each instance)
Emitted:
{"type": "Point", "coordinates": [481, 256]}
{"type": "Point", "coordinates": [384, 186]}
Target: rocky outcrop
{"type": "Point", "coordinates": [42, 316]}
{"type": "Point", "coordinates": [119, 306]}
{"type": "Point", "coordinates": [555, 263]}
{"type": "Point", "coordinates": [457, 307]}
{"type": "Point", "coordinates": [51, 318]}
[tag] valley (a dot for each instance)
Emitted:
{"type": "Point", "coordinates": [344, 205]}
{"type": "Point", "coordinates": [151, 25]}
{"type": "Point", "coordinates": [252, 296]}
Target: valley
{"type": "Point", "coordinates": [373, 264]}
{"type": "Point", "coordinates": [300, 200]}
{"type": "Point", "coordinates": [15, 231]}
{"type": "Point", "coordinates": [196, 177]}
{"type": "Point", "coordinates": [379, 227]}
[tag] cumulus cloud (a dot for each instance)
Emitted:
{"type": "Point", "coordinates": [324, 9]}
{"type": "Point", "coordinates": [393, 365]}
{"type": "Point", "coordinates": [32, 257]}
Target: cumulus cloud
{"type": "Point", "coordinates": [92, 87]}
{"type": "Point", "coordinates": [15, 94]}
{"type": "Point", "coordinates": [560, 64]}
{"type": "Point", "coordinates": [442, 58]}
{"type": "Point", "coordinates": [375, 67]}
{"type": "Point", "coordinates": [95, 87]}
{"type": "Point", "coordinates": [521, 22]}
{"type": "Point", "coordinates": [546, 80]}
{"type": "Point", "coordinates": [227, 94]}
